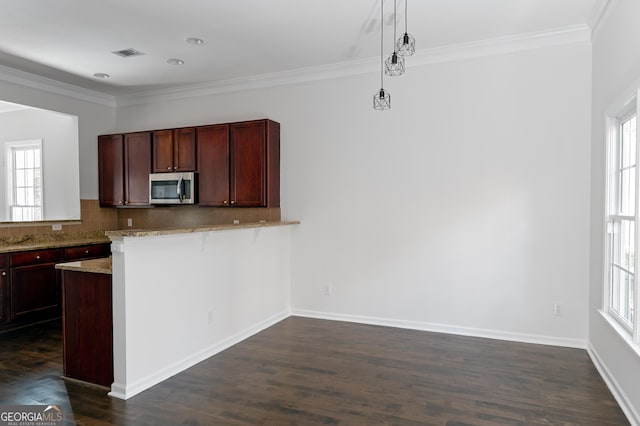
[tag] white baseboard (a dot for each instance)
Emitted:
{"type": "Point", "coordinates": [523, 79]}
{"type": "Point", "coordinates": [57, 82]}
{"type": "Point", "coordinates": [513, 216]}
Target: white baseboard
{"type": "Point", "coordinates": [612, 384]}
{"type": "Point", "coordinates": [442, 328]}
{"type": "Point", "coordinates": [121, 391]}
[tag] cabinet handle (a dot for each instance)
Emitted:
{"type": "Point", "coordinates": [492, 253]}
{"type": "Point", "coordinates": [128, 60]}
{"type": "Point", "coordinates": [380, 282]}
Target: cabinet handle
{"type": "Point", "coordinates": [233, 202]}
{"type": "Point", "coordinates": [4, 274]}
{"type": "Point", "coordinates": [37, 257]}
{"type": "Point", "coordinates": [175, 168]}
{"type": "Point", "coordinates": [224, 202]}
{"type": "Point", "coordinates": [125, 203]}
{"type": "Point", "coordinates": [86, 252]}
{"type": "Point", "coordinates": [169, 168]}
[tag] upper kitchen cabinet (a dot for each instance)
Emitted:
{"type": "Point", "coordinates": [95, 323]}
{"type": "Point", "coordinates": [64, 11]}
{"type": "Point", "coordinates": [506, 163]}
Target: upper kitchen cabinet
{"type": "Point", "coordinates": [239, 164]}
{"type": "Point", "coordinates": [174, 150]}
{"type": "Point", "coordinates": [255, 163]}
{"type": "Point", "coordinates": [124, 164]}
{"type": "Point", "coordinates": [111, 170]}
{"type": "Point", "coordinates": [213, 165]}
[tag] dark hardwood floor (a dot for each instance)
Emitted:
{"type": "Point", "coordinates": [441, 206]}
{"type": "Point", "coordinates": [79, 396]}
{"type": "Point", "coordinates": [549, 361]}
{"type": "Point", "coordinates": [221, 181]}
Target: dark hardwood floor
{"type": "Point", "coordinates": [304, 372]}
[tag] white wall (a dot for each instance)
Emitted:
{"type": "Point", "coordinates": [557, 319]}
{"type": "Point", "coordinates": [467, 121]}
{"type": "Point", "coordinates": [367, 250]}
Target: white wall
{"type": "Point", "coordinates": [179, 299]}
{"type": "Point", "coordinates": [616, 69]}
{"type": "Point", "coordinates": [93, 119]}
{"type": "Point", "coordinates": [464, 208]}
{"type": "Point", "coordinates": [59, 135]}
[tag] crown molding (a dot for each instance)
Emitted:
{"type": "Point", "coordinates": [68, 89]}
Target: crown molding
{"type": "Point", "coordinates": [599, 11]}
{"type": "Point", "coordinates": [489, 47]}
{"type": "Point", "coordinates": [504, 45]}
{"type": "Point", "coordinates": [32, 81]}
{"type": "Point", "coordinates": [476, 49]}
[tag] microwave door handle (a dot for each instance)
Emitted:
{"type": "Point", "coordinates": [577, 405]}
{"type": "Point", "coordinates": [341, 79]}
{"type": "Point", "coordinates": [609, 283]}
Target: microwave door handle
{"type": "Point", "coordinates": [179, 189]}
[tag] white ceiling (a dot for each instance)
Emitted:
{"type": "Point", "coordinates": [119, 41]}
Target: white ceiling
{"type": "Point", "coordinates": [70, 40]}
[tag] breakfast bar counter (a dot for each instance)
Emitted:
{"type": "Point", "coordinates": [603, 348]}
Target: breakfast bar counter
{"type": "Point", "coordinates": [182, 295]}
{"type": "Point", "coordinates": [205, 228]}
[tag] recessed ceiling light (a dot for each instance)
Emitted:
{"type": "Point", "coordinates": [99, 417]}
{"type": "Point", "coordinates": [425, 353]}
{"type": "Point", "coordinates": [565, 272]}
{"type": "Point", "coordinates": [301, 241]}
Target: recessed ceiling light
{"type": "Point", "coordinates": [175, 61]}
{"type": "Point", "coordinates": [194, 40]}
{"type": "Point", "coordinates": [101, 75]}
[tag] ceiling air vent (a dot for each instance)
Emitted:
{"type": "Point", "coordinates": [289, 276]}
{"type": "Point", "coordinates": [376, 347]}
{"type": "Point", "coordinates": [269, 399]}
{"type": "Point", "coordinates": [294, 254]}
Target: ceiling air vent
{"type": "Point", "coordinates": [127, 53]}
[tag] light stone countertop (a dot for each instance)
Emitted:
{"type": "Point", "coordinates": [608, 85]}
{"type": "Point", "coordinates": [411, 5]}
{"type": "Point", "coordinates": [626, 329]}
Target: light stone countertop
{"type": "Point", "coordinates": [206, 228]}
{"type": "Point", "coordinates": [42, 243]}
{"type": "Point", "coordinates": [96, 266]}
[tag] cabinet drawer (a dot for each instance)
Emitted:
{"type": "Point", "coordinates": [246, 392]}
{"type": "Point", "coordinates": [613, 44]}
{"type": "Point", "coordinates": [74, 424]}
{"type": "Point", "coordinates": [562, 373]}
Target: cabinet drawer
{"type": "Point", "coordinates": [83, 252]}
{"type": "Point", "coordinates": [35, 257]}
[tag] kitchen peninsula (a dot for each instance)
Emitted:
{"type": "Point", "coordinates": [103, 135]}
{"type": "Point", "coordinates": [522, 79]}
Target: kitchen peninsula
{"type": "Point", "coordinates": [87, 325]}
{"type": "Point", "coordinates": [183, 295]}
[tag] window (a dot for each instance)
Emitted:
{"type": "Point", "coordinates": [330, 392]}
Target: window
{"type": "Point", "coordinates": [25, 180]}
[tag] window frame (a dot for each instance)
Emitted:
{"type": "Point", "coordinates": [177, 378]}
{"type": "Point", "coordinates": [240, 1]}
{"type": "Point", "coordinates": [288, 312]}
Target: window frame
{"type": "Point", "coordinates": [612, 200]}
{"type": "Point", "coordinates": [11, 190]}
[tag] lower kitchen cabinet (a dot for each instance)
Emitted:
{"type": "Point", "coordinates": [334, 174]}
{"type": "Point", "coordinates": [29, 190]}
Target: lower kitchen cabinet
{"type": "Point", "coordinates": [30, 288]}
{"type": "Point", "coordinates": [87, 327]}
{"type": "Point", "coordinates": [4, 279]}
{"type": "Point", "coordinates": [34, 288]}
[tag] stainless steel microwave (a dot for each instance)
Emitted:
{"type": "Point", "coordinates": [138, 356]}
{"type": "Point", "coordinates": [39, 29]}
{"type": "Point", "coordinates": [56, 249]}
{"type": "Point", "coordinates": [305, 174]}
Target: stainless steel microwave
{"type": "Point", "coordinates": [173, 188]}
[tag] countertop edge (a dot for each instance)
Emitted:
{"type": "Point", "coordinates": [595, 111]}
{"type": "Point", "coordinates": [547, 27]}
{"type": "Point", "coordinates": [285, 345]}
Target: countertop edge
{"type": "Point", "coordinates": [18, 247]}
{"type": "Point", "coordinates": [97, 266]}
{"type": "Point", "coordinates": [209, 228]}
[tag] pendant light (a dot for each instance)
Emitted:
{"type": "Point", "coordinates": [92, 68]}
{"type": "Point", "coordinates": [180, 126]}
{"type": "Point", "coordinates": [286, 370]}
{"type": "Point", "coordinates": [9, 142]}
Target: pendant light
{"type": "Point", "coordinates": [406, 44]}
{"type": "Point", "coordinates": [395, 63]}
{"type": "Point", "coordinates": [382, 98]}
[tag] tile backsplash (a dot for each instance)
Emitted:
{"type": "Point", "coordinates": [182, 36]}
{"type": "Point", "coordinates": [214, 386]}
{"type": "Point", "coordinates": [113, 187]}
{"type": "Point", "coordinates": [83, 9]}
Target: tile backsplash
{"type": "Point", "coordinates": [191, 216]}
{"type": "Point", "coordinates": [99, 219]}
{"type": "Point", "coordinates": [93, 217]}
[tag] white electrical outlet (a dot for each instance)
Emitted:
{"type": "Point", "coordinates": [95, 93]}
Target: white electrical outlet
{"type": "Point", "coordinates": [557, 310]}
{"type": "Point", "coordinates": [326, 289]}
{"type": "Point", "coordinates": [56, 227]}
{"type": "Point", "coordinates": [129, 222]}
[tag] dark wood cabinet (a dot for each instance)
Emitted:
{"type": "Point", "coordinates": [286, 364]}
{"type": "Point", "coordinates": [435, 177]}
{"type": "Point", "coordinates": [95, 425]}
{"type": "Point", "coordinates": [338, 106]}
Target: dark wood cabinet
{"type": "Point", "coordinates": [33, 286]}
{"type": "Point", "coordinates": [111, 170]}
{"type": "Point", "coordinates": [30, 284]}
{"type": "Point", "coordinates": [137, 166]}
{"type": "Point", "coordinates": [213, 165]}
{"type": "Point", "coordinates": [174, 150]}
{"type": "Point", "coordinates": [124, 164]}
{"type": "Point", "coordinates": [86, 252]}
{"type": "Point", "coordinates": [4, 279]}
{"type": "Point", "coordinates": [255, 164]}
{"type": "Point", "coordinates": [87, 327]}
{"type": "Point", "coordinates": [239, 164]}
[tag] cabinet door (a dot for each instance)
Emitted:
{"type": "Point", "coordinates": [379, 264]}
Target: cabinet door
{"type": "Point", "coordinates": [87, 327]}
{"type": "Point", "coordinates": [162, 151]}
{"type": "Point", "coordinates": [213, 165]}
{"type": "Point", "coordinates": [184, 150]}
{"type": "Point", "coordinates": [137, 166]}
{"type": "Point", "coordinates": [110, 170]}
{"type": "Point", "coordinates": [248, 164]}
{"type": "Point", "coordinates": [34, 290]}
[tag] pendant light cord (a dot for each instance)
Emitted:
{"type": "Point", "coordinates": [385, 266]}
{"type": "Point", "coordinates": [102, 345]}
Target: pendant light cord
{"type": "Point", "coordinates": [381, 42]}
{"type": "Point", "coordinates": [395, 9]}
{"type": "Point", "coordinates": [405, 16]}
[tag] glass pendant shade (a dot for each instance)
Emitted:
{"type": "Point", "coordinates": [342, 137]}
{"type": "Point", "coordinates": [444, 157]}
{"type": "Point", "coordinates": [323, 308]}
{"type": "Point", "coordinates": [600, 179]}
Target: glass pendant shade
{"type": "Point", "coordinates": [406, 45]}
{"type": "Point", "coordinates": [394, 65]}
{"type": "Point", "coordinates": [382, 100]}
